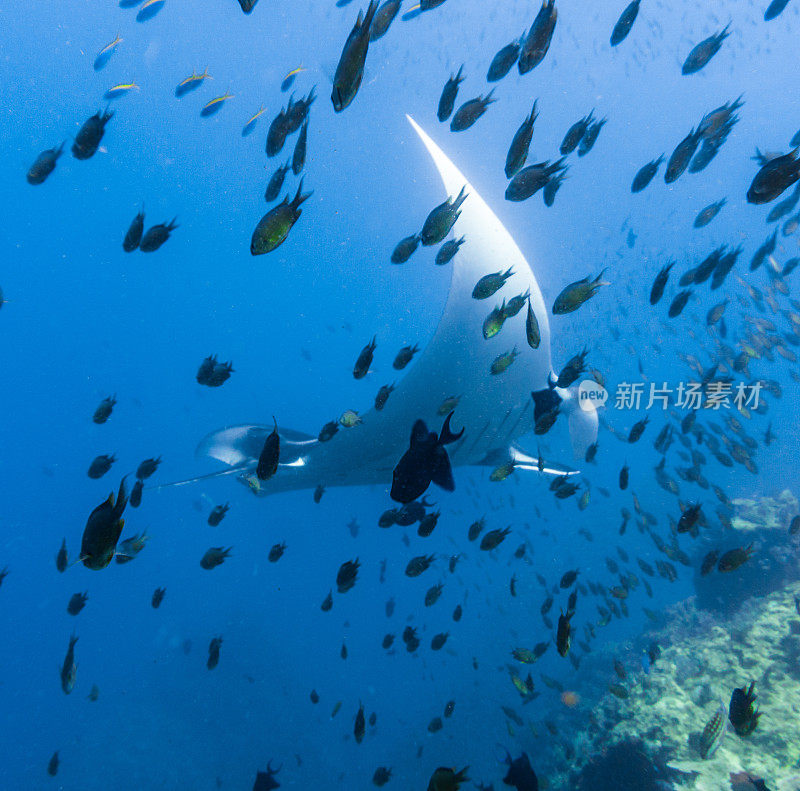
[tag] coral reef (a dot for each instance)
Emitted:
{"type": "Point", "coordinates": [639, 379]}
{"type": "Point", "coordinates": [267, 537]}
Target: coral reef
{"type": "Point", "coordinates": [703, 661]}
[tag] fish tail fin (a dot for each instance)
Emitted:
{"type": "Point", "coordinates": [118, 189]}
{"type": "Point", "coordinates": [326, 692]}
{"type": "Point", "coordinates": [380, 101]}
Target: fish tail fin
{"type": "Point", "coordinates": [300, 196]}
{"type": "Point", "coordinates": [446, 436]}
{"type": "Point", "coordinates": [371, 9]}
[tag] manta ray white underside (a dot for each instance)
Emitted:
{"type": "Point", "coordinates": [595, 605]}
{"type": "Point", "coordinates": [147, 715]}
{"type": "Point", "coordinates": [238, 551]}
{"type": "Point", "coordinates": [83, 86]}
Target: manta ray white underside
{"type": "Point", "coordinates": [497, 411]}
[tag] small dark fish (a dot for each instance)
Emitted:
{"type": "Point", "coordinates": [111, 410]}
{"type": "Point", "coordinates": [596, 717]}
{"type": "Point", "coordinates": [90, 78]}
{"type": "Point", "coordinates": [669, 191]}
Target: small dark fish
{"type": "Point", "coordinates": [563, 633]}
{"type": "Point", "coordinates": [382, 774]}
{"type": "Point", "coordinates": [134, 234]}
{"type": "Point", "coordinates": [490, 284]}
{"type": "Point", "coordinates": [775, 8]}
{"type": "Point", "coordinates": [299, 155]}
{"type": "Point", "coordinates": [741, 713]}
{"type": "Point", "coordinates": [625, 23]}
{"type": "Point", "coordinates": [679, 303]}
{"type": "Point", "coordinates": [265, 781]}
{"type": "Point", "coordinates": [297, 112]}
{"type": "Point", "coordinates": [637, 430]}
{"type": "Point", "coordinates": [503, 61]}
{"type": "Point", "coordinates": [52, 765]}
{"type": "Point", "coordinates": [424, 462]}
{"type": "Point", "coordinates": [213, 652]}
{"type": "Point", "coordinates": [268, 459]}
{"type": "Point", "coordinates": [470, 112]}
{"type": "Point", "coordinates": [493, 539]}
{"type": "Point", "coordinates": [359, 727]}
{"type": "Point", "coordinates": [218, 514]}
{"type": "Point", "coordinates": [103, 411]}
{"type": "Point", "coordinates": [441, 219]}
{"type": "Point", "coordinates": [405, 249]}
{"type": "Point", "coordinates": [572, 370]}
{"type": "Point", "coordinates": [147, 468]}
{"type": "Point", "coordinates": [775, 176]}
{"type": "Point", "coordinates": [575, 134]}
{"type": "Point", "coordinates": [274, 226]}
{"type": "Point", "coordinates": [446, 779]}
{"type": "Point", "coordinates": [212, 373]}
{"type": "Point", "coordinates": [623, 477]}
{"type": "Point", "coordinates": [276, 183]}
{"type": "Point", "coordinates": [575, 294]}
{"type": "Point", "coordinates": [552, 187]}
{"type": "Point", "coordinates": [404, 357]}
{"type": "Point", "coordinates": [568, 579]}
{"type": "Point", "coordinates": [708, 214]}
{"type": "Point", "coordinates": [350, 69]}
{"type": "Point", "coordinates": [734, 558]}
{"type": "Point", "coordinates": [532, 333]}
{"type": "Point", "coordinates": [448, 98]}
{"type": "Point", "coordinates": [475, 528]}
{"type": "Point", "coordinates": [709, 561]}
{"type": "Point", "coordinates": [518, 150]}
{"type": "Point", "coordinates": [61, 557]}
{"type": "Point", "coordinates": [537, 42]}
{"type": "Point", "coordinates": [69, 668]}
{"type": "Point", "coordinates": [703, 52]}
{"type": "Point", "coordinates": [528, 181]}
{"type": "Point", "coordinates": [383, 18]}
{"type": "Point", "coordinates": [645, 174]}
{"type": "Point", "coordinates": [100, 466]}
{"type": "Point", "coordinates": [87, 141]}
{"type": "Point", "coordinates": [347, 575]}
{"type": "Point", "coordinates": [158, 597]}
{"type": "Point", "coordinates": [44, 165]}
{"type": "Point", "coordinates": [680, 157]}
{"type": "Point", "coordinates": [447, 251]}
{"type": "Point", "coordinates": [77, 602]}
{"type": "Point", "coordinates": [102, 531]}
{"type": "Point", "coordinates": [276, 552]}
{"type": "Point", "coordinates": [327, 604]}
{"type": "Point", "coordinates": [136, 493]}
{"type": "Point", "coordinates": [417, 565]}
{"type": "Point", "coordinates": [213, 557]}
{"type": "Point", "coordinates": [590, 138]}
{"type": "Point", "coordinates": [156, 236]}
{"type": "Point", "coordinates": [382, 396]}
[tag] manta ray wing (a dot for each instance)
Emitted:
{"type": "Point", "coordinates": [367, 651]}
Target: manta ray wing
{"type": "Point", "coordinates": [494, 410]}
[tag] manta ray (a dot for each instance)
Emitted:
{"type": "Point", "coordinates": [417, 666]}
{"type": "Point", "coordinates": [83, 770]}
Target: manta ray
{"type": "Point", "coordinates": [496, 411]}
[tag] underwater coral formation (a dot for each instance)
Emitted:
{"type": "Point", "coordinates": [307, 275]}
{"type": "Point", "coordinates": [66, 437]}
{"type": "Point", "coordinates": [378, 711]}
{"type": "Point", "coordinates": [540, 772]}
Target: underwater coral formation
{"type": "Point", "coordinates": [706, 661]}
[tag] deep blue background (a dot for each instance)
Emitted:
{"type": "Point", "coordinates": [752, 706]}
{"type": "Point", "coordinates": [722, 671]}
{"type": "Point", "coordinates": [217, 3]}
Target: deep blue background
{"type": "Point", "coordinates": [85, 320]}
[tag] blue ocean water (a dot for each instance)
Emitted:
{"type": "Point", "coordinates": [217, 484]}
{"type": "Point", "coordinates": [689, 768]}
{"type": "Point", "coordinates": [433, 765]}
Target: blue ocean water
{"type": "Point", "coordinates": [84, 320]}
